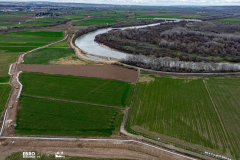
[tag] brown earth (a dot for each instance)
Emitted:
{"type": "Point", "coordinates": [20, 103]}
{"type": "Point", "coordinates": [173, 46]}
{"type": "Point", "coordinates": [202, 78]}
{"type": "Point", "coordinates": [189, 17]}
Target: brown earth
{"type": "Point", "coordinates": [96, 71]}
{"type": "Point", "coordinates": [85, 148]}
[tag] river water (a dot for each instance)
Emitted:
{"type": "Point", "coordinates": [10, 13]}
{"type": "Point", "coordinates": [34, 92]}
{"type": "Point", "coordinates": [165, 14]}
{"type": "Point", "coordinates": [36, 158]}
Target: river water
{"type": "Point", "coordinates": [86, 42]}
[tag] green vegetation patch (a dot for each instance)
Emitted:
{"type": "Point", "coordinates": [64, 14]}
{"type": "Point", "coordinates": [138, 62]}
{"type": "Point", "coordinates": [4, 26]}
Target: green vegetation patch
{"type": "Point", "coordinates": [5, 90]}
{"type": "Point", "coordinates": [48, 117]}
{"type": "Point", "coordinates": [14, 43]}
{"type": "Point", "coordinates": [60, 44]}
{"type": "Point", "coordinates": [8, 23]}
{"type": "Point", "coordinates": [4, 79]}
{"type": "Point", "coordinates": [72, 17]}
{"type": "Point", "coordinates": [82, 89]}
{"type": "Point", "coordinates": [46, 55]}
{"type": "Point", "coordinates": [232, 20]}
{"type": "Point", "coordinates": [23, 44]}
{"type": "Point", "coordinates": [94, 21]}
{"type": "Point", "coordinates": [6, 60]}
{"type": "Point", "coordinates": [144, 15]}
{"type": "Point", "coordinates": [39, 34]}
{"type": "Point", "coordinates": [179, 111]}
{"type": "Point", "coordinates": [49, 19]}
{"type": "Point", "coordinates": [16, 49]}
{"type": "Point", "coordinates": [36, 24]}
{"type": "Point", "coordinates": [225, 92]}
{"type": "Point", "coordinates": [114, 15]}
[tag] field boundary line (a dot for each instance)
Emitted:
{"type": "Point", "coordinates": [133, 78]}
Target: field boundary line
{"type": "Point", "coordinates": [85, 139]}
{"type": "Point", "coordinates": [219, 117]}
{"type": "Point", "coordinates": [74, 102]}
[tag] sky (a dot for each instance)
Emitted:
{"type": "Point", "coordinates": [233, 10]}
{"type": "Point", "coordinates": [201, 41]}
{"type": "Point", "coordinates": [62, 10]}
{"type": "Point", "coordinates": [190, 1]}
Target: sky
{"type": "Point", "coordinates": [151, 2]}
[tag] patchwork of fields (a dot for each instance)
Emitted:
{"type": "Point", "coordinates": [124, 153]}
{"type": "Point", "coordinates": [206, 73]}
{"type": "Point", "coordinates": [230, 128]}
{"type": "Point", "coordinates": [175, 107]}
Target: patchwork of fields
{"type": "Point", "coordinates": [180, 111]}
{"type": "Point", "coordinates": [81, 89]}
{"type": "Point", "coordinates": [14, 43]}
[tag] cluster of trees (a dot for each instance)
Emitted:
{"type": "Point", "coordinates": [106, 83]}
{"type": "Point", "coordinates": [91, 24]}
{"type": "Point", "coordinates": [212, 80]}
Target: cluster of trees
{"type": "Point", "coordinates": [218, 16]}
{"type": "Point", "coordinates": [169, 39]}
{"type": "Point", "coordinates": [175, 65]}
{"type": "Point", "coordinates": [217, 27]}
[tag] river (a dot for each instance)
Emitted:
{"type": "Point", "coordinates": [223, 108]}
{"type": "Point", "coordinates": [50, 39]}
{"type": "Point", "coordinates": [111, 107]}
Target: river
{"type": "Point", "coordinates": [86, 42]}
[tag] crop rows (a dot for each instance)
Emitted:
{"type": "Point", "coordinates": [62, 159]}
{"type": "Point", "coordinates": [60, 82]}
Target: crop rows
{"type": "Point", "coordinates": [180, 111]}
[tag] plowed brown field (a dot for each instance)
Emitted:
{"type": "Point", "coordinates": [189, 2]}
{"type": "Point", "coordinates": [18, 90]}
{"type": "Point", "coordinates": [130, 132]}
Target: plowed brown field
{"type": "Point", "coordinates": [96, 71]}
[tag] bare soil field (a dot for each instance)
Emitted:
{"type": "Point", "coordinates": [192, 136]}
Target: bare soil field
{"type": "Point", "coordinates": [95, 71]}
{"type": "Point", "coordinates": [108, 149]}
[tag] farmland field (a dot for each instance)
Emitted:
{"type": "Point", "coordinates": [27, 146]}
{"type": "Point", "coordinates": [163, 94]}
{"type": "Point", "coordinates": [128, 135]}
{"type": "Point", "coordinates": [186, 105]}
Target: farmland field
{"type": "Point", "coordinates": [225, 93]}
{"type": "Point", "coordinates": [48, 117]}
{"type": "Point", "coordinates": [72, 17]}
{"type": "Point", "coordinates": [60, 44]}
{"type": "Point", "coordinates": [232, 20]}
{"type": "Point", "coordinates": [46, 55]}
{"type": "Point", "coordinates": [4, 93]}
{"type": "Point", "coordinates": [14, 43]}
{"type": "Point", "coordinates": [94, 21]}
{"type": "Point", "coordinates": [5, 61]}
{"type": "Point", "coordinates": [36, 24]}
{"type": "Point", "coordinates": [81, 89]}
{"type": "Point", "coordinates": [179, 111]}
{"type": "Point", "coordinates": [48, 19]}
{"type": "Point", "coordinates": [144, 15]}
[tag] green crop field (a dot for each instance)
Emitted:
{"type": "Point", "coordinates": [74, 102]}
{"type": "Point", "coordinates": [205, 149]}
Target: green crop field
{"type": "Point", "coordinates": [4, 93]}
{"type": "Point", "coordinates": [16, 49]}
{"type": "Point", "coordinates": [8, 23]}
{"type": "Point", "coordinates": [225, 93]}
{"type": "Point", "coordinates": [60, 44]}
{"type": "Point", "coordinates": [36, 24]}
{"type": "Point", "coordinates": [48, 117]}
{"type": "Point", "coordinates": [127, 20]}
{"type": "Point", "coordinates": [19, 156]}
{"type": "Point", "coordinates": [114, 15]}
{"type": "Point", "coordinates": [232, 20]}
{"type": "Point", "coordinates": [82, 89]}
{"type": "Point", "coordinates": [46, 55]}
{"type": "Point", "coordinates": [14, 43]}
{"type": "Point", "coordinates": [94, 21]}
{"type": "Point", "coordinates": [4, 79]}
{"type": "Point", "coordinates": [179, 111]}
{"type": "Point", "coordinates": [48, 19]}
{"type": "Point", "coordinates": [72, 17]}
{"type": "Point", "coordinates": [5, 61]}
{"type": "Point", "coordinates": [144, 15]}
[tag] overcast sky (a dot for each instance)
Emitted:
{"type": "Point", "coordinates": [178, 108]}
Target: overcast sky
{"type": "Point", "coordinates": [151, 2]}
